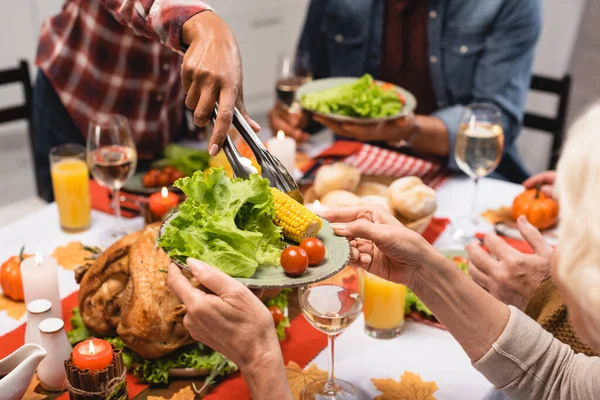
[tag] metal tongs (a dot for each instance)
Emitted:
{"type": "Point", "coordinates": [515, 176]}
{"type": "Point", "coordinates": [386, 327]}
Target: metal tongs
{"type": "Point", "coordinates": [272, 168]}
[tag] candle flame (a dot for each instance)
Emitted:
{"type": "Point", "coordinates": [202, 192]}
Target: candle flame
{"type": "Point", "coordinates": [317, 204]}
{"type": "Point", "coordinates": [38, 258]}
{"type": "Point", "coordinates": [164, 192]}
{"type": "Point", "coordinates": [92, 349]}
{"type": "Point", "coordinates": [280, 135]}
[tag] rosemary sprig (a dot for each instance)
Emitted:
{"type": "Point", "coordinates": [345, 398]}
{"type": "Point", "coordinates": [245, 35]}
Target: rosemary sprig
{"type": "Point", "coordinates": [210, 379]}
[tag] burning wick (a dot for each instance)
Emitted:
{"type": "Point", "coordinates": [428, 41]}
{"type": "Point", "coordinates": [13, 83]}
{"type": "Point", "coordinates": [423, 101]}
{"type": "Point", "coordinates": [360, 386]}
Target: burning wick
{"type": "Point", "coordinates": [38, 258]}
{"type": "Point", "coordinates": [91, 349]}
{"type": "Point", "coordinates": [164, 192]}
{"type": "Point", "coordinates": [280, 135]}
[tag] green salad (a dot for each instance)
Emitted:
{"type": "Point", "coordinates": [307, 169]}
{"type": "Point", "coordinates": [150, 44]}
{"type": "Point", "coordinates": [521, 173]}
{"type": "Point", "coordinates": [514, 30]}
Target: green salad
{"type": "Point", "coordinates": [227, 223]}
{"type": "Point", "coordinates": [363, 98]}
{"type": "Point", "coordinates": [185, 159]}
{"type": "Point", "coordinates": [197, 355]}
{"type": "Point", "coordinates": [413, 303]}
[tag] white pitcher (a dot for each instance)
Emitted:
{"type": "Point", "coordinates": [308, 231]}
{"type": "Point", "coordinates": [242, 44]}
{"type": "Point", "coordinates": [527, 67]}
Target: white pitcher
{"type": "Point", "coordinates": [17, 370]}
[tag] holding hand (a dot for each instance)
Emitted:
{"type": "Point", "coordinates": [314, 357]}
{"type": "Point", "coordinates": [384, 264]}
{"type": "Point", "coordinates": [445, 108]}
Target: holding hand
{"type": "Point", "coordinates": [291, 123]}
{"type": "Point", "coordinates": [506, 273]}
{"type": "Point", "coordinates": [545, 180]}
{"type": "Point", "coordinates": [390, 131]}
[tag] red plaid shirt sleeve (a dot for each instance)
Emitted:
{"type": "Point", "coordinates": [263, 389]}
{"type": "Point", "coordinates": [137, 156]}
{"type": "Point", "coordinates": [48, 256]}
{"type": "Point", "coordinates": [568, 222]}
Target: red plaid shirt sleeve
{"type": "Point", "coordinates": [161, 20]}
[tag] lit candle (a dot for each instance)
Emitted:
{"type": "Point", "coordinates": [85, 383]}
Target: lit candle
{"type": "Point", "coordinates": [283, 148]}
{"type": "Point", "coordinates": [161, 203]}
{"type": "Point", "coordinates": [40, 281]}
{"type": "Point", "coordinates": [93, 354]}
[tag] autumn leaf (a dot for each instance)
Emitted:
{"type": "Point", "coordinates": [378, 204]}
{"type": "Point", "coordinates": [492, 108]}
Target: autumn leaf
{"type": "Point", "coordinates": [410, 387]}
{"type": "Point", "coordinates": [298, 379]}
{"type": "Point", "coordinates": [184, 394]}
{"type": "Point", "coordinates": [30, 393]}
{"type": "Point", "coordinates": [503, 214]}
{"type": "Point", "coordinates": [72, 255]}
{"type": "Point", "coordinates": [14, 309]}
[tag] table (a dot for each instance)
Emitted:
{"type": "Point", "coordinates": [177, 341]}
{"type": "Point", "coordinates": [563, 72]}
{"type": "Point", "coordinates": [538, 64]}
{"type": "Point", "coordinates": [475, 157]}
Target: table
{"type": "Point", "coordinates": [428, 351]}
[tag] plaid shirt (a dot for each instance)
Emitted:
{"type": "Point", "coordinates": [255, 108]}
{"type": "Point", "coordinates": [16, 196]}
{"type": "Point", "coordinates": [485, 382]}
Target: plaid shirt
{"type": "Point", "coordinates": [120, 56]}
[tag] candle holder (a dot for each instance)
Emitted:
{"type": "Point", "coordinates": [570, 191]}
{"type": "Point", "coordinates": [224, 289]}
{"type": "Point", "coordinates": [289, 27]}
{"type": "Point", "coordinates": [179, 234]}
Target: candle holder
{"type": "Point", "coordinates": [108, 383]}
{"type": "Point", "coordinates": [150, 218]}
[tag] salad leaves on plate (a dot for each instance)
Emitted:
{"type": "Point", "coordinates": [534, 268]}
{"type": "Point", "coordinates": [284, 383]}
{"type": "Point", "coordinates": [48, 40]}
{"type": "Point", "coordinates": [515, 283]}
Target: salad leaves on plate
{"type": "Point", "coordinates": [363, 98]}
{"type": "Point", "coordinates": [227, 223]}
{"type": "Point", "coordinates": [185, 159]}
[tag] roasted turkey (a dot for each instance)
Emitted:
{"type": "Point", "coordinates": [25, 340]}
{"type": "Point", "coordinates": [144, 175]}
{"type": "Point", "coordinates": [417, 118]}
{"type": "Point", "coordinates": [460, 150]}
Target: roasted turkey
{"type": "Point", "coordinates": [125, 293]}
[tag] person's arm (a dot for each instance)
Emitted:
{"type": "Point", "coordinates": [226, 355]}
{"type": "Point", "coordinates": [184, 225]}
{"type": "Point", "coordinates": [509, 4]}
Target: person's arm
{"type": "Point", "coordinates": [266, 378]}
{"type": "Point", "coordinates": [503, 72]}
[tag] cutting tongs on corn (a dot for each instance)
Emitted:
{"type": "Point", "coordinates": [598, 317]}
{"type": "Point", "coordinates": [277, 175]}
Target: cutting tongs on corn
{"type": "Point", "coordinates": [271, 167]}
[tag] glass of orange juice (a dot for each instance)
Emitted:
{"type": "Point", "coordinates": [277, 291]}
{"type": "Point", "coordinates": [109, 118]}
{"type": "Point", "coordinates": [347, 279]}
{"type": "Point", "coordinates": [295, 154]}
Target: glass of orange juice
{"type": "Point", "coordinates": [71, 185]}
{"type": "Point", "coordinates": [383, 306]}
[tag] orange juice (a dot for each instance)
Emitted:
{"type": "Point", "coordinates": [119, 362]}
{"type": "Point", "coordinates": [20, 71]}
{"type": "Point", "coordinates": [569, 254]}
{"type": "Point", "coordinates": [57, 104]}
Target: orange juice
{"type": "Point", "coordinates": [71, 184]}
{"type": "Point", "coordinates": [383, 306]}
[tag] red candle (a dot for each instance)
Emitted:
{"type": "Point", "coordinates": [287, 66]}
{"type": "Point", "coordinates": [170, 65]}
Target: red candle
{"type": "Point", "coordinates": [93, 354]}
{"type": "Point", "coordinates": [161, 203]}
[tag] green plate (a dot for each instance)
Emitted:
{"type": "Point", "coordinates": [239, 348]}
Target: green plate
{"type": "Point", "coordinates": [134, 185]}
{"type": "Point", "coordinates": [328, 83]}
{"type": "Point", "coordinates": [336, 258]}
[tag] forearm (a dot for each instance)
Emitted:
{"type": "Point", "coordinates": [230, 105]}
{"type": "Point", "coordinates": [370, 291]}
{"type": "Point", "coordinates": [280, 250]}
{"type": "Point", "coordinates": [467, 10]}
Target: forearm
{"type": "Point", "coordinates": [266, 378]}
{"type": "Point", "coordinates": [432, 136]}
{"type": "Point", "coordinates": [471, 315]}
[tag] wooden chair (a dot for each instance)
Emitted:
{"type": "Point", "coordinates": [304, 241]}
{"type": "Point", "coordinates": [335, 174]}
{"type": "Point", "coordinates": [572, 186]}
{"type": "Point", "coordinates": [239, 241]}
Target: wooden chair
{"type": "Point", "coordinates": [554, 126]}
{"type": "Point", "coordinates": [22, 111]}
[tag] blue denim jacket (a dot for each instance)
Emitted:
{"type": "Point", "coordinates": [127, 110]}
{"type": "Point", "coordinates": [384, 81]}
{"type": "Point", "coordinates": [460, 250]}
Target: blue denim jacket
{"type": "Point", "coordinates": [480, 51]}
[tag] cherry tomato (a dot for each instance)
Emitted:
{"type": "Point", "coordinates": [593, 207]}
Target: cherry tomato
{"type": "Point", "coordinates": [153, 172]}
{"type": "Point", "coordinates": [459, 260]}
{"type": "Point", "coordinates": [163, 180]}
{"type": "Point", "coordinates": [294, 261]}
{"type": "Point", "coordinates": [149, 180]}
{"type": "Point", "coordinates": [169, 169]}
{"type": "Point", "coordinates": [277, 314]}
{"type": "Point", "coordinates": [177, 175]}
{"type": "Point", "coordinates": [315, 249]}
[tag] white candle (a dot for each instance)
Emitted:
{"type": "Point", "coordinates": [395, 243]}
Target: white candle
{"type": "Point", "coordinates": [40, 281]}
{"type": "Point", "coordinates": [284, 148]}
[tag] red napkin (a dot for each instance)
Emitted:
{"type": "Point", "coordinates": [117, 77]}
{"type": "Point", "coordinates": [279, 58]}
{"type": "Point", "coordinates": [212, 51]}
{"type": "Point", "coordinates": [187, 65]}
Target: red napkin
{"type": "Point", "coordinates": [520, 245]}
{"type": "Point", "coordinates": [101, 201]}
{"type": "Point", "coordinates": [436, 227]}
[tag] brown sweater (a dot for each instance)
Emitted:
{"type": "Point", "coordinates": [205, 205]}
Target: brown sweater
{"type": "Point", "coordinates": [548, 308]}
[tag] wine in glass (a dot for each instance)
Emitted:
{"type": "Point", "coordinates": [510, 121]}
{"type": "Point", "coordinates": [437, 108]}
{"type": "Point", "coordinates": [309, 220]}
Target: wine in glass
{"type": "Point", "coordinates": [331, 306]}
{"type": "Point", "coordinates": [112, 159]}
{"type": "Point", "coordinates": [293, 71]}
{"type": "Point", "coordinates": [478, 150]}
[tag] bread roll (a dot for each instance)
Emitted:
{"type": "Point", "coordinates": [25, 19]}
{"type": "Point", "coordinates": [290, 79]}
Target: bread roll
{"type": "Point", "coordinates": [411, 198]}
{"type": "Point", "coordinates": [371, 189]}
{"type": "Point", "coordinates": [337, 176]}
{"type": "Point", "coordinates": [340, 198]}
{"type": "Point", "coordinates": [375, 201]}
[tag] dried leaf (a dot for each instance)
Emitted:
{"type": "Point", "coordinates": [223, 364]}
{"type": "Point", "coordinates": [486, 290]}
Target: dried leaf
{"type": "Point", "coordinates": [184, 394]}
{"type": "Point", "coordinates": [298, 379]}
{"type": "Point", "coordinates": [503, 214]}
{"type": "Point", "coordinates": [410, 387]}
{"type": "Point", "coordinates": [30, 393]}
{"type": "Point", "coordinates": [14, 309]}
{"type": "Point", "coordinates": [72, 255]}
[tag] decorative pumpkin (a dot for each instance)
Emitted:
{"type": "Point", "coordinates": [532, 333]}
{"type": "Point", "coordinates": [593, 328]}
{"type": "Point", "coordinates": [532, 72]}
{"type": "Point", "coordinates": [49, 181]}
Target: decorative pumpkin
{"type": "Point", "coordinates": [541, 211]}
{"type": "Point", "coordinates": [10, 277]}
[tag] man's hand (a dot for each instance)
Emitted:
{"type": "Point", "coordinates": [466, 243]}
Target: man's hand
{"type": "Point", "coordinates": [291, 123]}
{"type": "Point", "coordinates": [391, 131]}
{"type": "Point", "coordinates": [545, 180]}
{"type": "Point", "coordinates": [506, 273]}
{"type": "Point", "coordinates": [212, 71]}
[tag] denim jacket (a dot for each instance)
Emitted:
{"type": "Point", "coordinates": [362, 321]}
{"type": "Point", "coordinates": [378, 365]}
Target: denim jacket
{"type": "Point", "coordinates": [480, 51]}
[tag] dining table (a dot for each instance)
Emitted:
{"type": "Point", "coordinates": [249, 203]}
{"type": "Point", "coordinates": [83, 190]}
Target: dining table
{"type": "Point", "coordinates": [428, 351]}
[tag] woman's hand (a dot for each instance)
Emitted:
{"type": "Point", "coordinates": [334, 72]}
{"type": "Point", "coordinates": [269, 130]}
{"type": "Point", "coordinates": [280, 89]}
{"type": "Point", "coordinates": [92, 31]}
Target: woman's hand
{"type": "Point", "coordinates": [380, 243]}
{"type": "Point", "coordinates": [506, 273]}
{"type": "Point", "coordinates": [545, 180]}
{"type": "Point", "coordinates": [291, 123]}
{"type": "Point", "coordinates": [212, 71]}
{"type": "Point", "coordinates": [391, 131]}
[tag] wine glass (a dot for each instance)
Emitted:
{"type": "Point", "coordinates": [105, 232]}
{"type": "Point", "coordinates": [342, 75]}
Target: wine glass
{"type": "Point", "coordinates": [112, 159]}
{"type": "Point", "coordinates": [331, 306]}
{"type": "Point", "coordinates": [478, 150]}
{"type": "Point", "coordinates": [293, 71]}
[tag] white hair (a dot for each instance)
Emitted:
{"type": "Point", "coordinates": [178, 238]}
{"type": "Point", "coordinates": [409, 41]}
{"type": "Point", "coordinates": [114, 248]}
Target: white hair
{"type": "Point", "coordinates": [578, 190]}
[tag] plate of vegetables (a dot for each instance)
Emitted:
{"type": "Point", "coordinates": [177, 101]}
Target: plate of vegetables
{"type": "Point", "coordinates": [252, 232]}
{"type": "Point", "coordinates": [356, 100]}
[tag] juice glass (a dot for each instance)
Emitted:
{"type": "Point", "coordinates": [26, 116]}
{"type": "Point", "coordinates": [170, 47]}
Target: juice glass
{"type": "Point", "coordinates": [71, 184]}
{"type": "Point", "coordinates": [383, 306]}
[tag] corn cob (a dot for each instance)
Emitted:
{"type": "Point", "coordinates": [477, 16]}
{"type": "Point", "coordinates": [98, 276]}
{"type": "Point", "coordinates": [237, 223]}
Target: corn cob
{"type": "Point", "coordinates": [296, 221]}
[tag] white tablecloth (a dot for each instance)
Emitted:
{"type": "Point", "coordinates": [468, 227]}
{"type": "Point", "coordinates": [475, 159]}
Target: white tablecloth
{"type": "Point", "coordinates": [428, 351]}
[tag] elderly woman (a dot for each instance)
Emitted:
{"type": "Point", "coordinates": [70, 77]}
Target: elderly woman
{"type": "Point", "coordinates": [509, 348]}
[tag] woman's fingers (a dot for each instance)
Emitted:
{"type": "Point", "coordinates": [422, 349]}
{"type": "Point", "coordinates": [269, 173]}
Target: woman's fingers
{"type": "Point", "coordinates": [214, 279]}
{"type": "Point", "coordinates": [533, 236]}
{"type": "Point", "coordinates": [181, 286]}
{"type": "Point", "coordinates": [481, 259]}
{"type": "Point", "coordinates": [544, 178]}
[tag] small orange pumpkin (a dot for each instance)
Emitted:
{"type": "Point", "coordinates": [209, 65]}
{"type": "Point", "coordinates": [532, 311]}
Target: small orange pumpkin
{"type": "Point", "coordinates": [10, 277]}
{"type": "Point", "coordinates": [541, 211]}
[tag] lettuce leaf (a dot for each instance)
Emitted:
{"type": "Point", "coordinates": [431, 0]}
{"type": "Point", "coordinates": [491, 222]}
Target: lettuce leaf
{"type": "Point", "coordinates": [226, 223]}
{"type": "Point", "coordinates": [363, 98]}
{"type": "Point", "coordinates": [79, 332]}
{"type": "Point", "coordinates": [185, 159]}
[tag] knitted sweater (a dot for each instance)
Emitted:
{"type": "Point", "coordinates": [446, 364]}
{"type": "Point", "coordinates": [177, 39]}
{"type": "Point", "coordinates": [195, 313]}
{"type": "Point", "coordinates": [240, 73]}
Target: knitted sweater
{"type": "Point", "coordinates": [548, 308]}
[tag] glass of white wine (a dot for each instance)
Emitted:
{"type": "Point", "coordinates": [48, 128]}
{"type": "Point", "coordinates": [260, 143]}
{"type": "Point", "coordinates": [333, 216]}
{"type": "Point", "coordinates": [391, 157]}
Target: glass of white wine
{"type": "Point", "coordinates": [331, 306]}
{"type": "Point", "coordinates": [478, 151]}
{"type": "Point", "coordinates": [112, 158]}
